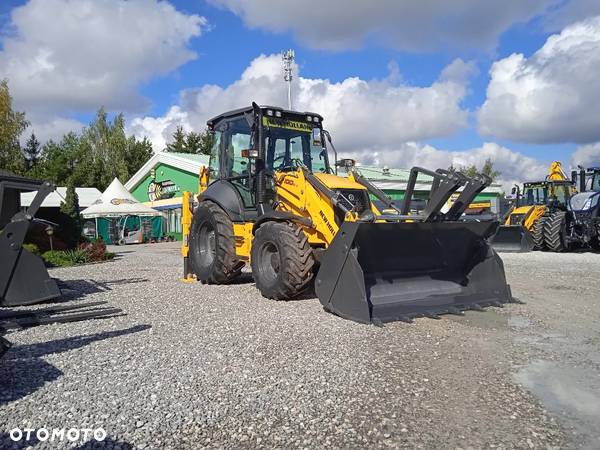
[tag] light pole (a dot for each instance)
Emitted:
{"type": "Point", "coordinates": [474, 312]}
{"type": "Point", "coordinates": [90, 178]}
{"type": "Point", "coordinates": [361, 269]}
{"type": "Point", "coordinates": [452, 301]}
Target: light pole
{"type": "Point", "coordinates": [50, 232]}
{"type": "Point", "coordinates": [288, 62]}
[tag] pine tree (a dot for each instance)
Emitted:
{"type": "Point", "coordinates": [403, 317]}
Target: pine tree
{"type": "Point", "coordinates": [193, 142]}
{"type": "Point", "coordinates": [32, 152]}
{"type": "Point", "coordinates": [178, 144]}
{"type": "Point", "coordinates": [487, 169]}
{"type": "Point", "coordinates": [71, 228]}
{"type": "Point", "coordinates": [207, 140]}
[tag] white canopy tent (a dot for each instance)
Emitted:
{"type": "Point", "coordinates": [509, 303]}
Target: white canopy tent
{"type": "Point", "coordinates": [116, 201]}
{"type": "Point", "coordinates": [115, 208]}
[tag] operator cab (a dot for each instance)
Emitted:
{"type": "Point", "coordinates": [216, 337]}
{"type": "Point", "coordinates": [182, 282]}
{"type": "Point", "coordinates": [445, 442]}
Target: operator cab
{"type": "Point", "coordinates": [268, 138]}
{"type": "Point", "coordinates": [542, 193]}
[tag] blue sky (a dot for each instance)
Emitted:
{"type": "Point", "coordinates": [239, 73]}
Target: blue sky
{"type": "Point", "coordinates": [227, 36]}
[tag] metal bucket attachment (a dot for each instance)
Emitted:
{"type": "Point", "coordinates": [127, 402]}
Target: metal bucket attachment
{"type": "Point", "coordinates": [23, 277]}
{"type": "Point", "coordinates": [27, 281]}
{"type": "Point", "coordinates": [513, 238]}
{"type": "Point", "coordinates": [381, 272]}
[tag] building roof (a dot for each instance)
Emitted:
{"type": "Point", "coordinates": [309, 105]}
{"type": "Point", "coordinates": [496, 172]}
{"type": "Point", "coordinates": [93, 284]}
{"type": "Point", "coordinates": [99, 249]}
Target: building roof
{"type": "Point", "coordinates": [117, 201]}
{"type": "Point", "coordinates": [188, 162]}
{"type": "Point", "coordinates": [87, 196]}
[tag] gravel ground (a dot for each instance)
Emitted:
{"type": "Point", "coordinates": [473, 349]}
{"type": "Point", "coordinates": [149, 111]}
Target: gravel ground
{"type": "Point", "coordinates": [194, 366]}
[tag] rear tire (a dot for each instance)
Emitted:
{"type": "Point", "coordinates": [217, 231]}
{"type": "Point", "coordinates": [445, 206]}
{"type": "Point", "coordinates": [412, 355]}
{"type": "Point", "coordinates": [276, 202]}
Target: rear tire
{"type": "Point", "coordinates": [282, 260]}
{"type": "Point", "coordinates": [555, 230]}
{"type": "Point", "coordinates": [537, 234]}
{"type": "Point", "coordinates": [212, 245]}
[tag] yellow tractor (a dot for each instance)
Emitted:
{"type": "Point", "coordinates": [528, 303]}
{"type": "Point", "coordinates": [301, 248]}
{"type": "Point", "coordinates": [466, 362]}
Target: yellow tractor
{"type": "Point", "coordinates": [272, 199]}
{"type": "Point", "coordinates": [523, 229]}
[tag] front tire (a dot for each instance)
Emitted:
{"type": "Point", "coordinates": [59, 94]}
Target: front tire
{"type": "Point", "coordinates": [555, 231]}
{"type": "Point", "coordinates": [212, 245]}
{"type": "Point", "coordinates": [537, 234]}
{"type": "Point", "coordinates": [282, 260]}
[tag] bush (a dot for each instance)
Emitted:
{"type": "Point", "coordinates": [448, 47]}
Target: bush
{"type": "Point", "coordinates": [65, 258]}
{"type": "Point", "coordinates": [96, 251]}
{"type": "Point", "coordinates": [32, 248]}
{"type": "Point", "coordinates": [86, 253]}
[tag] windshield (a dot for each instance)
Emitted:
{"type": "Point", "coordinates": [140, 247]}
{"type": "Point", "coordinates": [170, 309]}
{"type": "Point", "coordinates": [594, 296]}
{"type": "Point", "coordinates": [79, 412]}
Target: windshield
{"type": "Point", "coordinates": [562, 193]}
{"type": "Point", "coordinates": [534, 195]}
{"type": "Point", "coordinates": [284, 145]}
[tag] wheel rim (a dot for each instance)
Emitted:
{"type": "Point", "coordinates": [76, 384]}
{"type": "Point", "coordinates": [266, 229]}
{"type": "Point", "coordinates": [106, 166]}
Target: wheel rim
{"type": "Point", "coordinates": [270, 261]}
{"type": "Point", "coordinates": [206, 249]}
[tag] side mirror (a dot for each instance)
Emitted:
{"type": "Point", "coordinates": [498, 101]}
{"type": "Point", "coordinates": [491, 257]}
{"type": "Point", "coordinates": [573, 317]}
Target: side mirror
{"type": "Point", "coordinates": [513, 191]}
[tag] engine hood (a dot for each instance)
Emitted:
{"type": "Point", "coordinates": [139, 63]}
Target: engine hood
{"type": "Point", "coordinates": [336, 182]}
{"type": "Point", "coordinates": [578, 201]}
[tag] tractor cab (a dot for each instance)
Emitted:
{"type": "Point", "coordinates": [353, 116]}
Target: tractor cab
{"type": "Point", "coordinates": [251, 144]}
{"type": "Point", "coordinates": [545, 192]}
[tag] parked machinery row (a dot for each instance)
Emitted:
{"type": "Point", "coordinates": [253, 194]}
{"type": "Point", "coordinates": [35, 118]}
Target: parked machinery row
{"type": "Point", "coordinates": [557, 214]}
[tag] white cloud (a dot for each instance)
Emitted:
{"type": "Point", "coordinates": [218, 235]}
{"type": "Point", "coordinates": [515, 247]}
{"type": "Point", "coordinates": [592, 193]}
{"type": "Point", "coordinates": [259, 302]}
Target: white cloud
{"type": "Point", "coordinates": [552, 96]}
{"type": "Point", "coordinates": [359, 113]}
{"type": "Point", "coordinates": [403, 24]}
{"type": "Point", "coordinates": [586, 156]}
{"type": "Point", "coordinates": [50, 127]}
{"type": "Point", "coordinates": [376, 122]}
{"type": "Point", "coordinates": [63, 56]}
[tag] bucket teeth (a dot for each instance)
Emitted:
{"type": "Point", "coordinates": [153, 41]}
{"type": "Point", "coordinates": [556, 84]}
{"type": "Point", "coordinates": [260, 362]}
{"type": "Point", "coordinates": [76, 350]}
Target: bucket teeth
{"type": "Point", "coordinates": [498, 304]}
{"type": "Point", "coordinates": [476, 307]}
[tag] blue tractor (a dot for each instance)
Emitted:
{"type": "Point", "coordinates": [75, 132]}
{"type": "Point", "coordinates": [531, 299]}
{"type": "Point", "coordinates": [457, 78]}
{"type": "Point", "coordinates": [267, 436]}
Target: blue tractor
{"type": "Point", "coordinates": [579, 225]}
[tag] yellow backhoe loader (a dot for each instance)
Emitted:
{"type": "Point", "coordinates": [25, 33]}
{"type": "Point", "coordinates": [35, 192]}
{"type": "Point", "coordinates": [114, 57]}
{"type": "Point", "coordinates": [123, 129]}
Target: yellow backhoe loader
{"type": "Point", "coordinates": [523, 229]}
{"type": "Point", "coordinates": [270, 198]}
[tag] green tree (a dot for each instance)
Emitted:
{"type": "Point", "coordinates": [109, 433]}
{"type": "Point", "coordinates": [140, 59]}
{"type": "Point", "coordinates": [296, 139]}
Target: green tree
{"type": "Point", "coordinates": [193, 142]}
{"type": "Point", "coordinates": [138, 153]}
{"type": "Point", "coordinates": [71, 225]}
{"type": "Point", "coordinates": [32, 153]}
{"type": "Point", "coordinates": [65, 162]}
{"type": "Point", "coordinates": [12, 125]}
{"type": "Point", "coordinates": [178, 143]}
{"type": "Point", "coordinates": [487, 169]}
{"type": "Point", "coordinates": [94, 157]}
{"type": "Point", "coordinates": [207, 140]}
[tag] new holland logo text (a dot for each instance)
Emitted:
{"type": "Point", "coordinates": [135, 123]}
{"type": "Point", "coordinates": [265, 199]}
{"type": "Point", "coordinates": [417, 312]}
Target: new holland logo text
{"type": "Point", "coordinates": [326, 222]}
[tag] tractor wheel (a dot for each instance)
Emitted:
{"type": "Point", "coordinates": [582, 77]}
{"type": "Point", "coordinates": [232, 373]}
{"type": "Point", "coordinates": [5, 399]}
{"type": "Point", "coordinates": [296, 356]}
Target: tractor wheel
{"type": "Point", "coordinates": [537, 234]}
{"type": "Point", "coordinates": [555, 230]}
{"type": "Point", "coordinates": [212, 245]}
{"type": "Point", "coordinates": [282, 260]}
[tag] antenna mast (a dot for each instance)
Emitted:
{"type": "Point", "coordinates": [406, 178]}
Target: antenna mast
{"type": "Point", "coordinates": [288, 62]}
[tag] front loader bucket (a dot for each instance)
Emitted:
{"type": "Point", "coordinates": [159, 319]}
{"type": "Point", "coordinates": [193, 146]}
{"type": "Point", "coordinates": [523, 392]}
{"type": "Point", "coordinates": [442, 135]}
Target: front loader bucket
{"type": "Point", "coordinates": [512, 238]}
{"type": "Point", "coordinates": [27, 279]}
{"type": "Point", "coordinates": [381, 272]}
{"type": "Point", "coordinates": [23, 277]}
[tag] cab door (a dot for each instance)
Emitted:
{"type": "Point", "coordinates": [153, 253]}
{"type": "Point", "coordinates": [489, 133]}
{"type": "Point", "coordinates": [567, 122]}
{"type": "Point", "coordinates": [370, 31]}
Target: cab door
{"type": "Point", "coordinates": [234, 167]}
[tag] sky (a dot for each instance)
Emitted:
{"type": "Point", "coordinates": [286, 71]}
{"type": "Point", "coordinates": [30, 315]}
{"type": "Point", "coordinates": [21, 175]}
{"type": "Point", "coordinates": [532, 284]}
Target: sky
{"type": "Point", "coordinates": [399, 83]}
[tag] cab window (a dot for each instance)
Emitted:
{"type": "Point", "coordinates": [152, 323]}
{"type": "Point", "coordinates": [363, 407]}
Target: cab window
{"type": "Point", "coordinates": [215, 160]}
